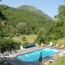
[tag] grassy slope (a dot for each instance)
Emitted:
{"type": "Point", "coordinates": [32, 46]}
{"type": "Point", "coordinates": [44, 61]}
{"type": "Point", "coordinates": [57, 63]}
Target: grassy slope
{"type": "Point", "coordinates": [29, 38]}
{"type": "Point", "coordinates": [59, 41]}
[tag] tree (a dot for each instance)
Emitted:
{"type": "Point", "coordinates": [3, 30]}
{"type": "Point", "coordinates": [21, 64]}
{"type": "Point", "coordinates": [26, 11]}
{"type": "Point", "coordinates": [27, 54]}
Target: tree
{"type": "Point", "coordinates": [59, 26]}
{"type": "Point", "coordinates": [2, 16]}
{"type": "Point", "coordinates": [40, 39]}
{"type": "Point", "coordinates": [41, 31]}
{"type": "Point", "coordinates": [22, 28]}
{"type": "Point", "coordinates": [57, 30]}
{"type": "Point", "coordinates": [61, 13]}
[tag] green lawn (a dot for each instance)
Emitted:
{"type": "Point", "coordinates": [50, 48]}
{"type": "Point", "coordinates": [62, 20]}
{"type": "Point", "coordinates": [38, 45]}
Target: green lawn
{"type": "Point", "coordinates": [29, 38]}
{"type": "Point", "coordinates": [59, 41]}
{"type": "Point", "coordinates": [60, 61]}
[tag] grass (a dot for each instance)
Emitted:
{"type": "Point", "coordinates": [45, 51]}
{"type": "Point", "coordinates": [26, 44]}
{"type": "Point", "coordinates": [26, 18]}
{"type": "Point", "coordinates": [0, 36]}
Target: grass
{"type": "Point", "coordinates": [29, 38]}
{"type": "Point", "coordinates": [60, 61]}
{"type": "Point", "coordinates": [59, 41]}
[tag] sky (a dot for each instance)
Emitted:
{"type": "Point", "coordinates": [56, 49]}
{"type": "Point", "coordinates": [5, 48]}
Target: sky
{"type": "Point", "coordinates": [50, 7]}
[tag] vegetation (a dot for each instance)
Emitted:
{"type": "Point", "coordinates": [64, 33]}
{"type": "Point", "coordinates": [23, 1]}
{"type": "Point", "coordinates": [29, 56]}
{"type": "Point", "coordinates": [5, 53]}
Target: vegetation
{"type": "Point", "coordinates": [27, 20]}
{"type": "Point", "coordinates": [33, 9]}
{"type": "Point", "coordinates": [24, 22]}
{"type": "Point", "coordinates": [25, 44]}
{"type": "Point", "coordinates": [29, 38]}
{"type": "Point", "coordinates": [24, 38]}
{"type": "Point", "coordinates": [39, 39]}
{"type": "Point", "coordinates": [8, 45]}
{"type": "Point", "coordinates": [60, 61]}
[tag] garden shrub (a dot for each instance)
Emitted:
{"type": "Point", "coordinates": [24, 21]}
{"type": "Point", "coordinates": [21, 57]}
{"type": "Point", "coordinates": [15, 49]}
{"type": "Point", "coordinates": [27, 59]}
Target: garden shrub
{"type": "Point", "coordinates": [25, 43]}
{"type": "Point", "coordinates": [24, 38]}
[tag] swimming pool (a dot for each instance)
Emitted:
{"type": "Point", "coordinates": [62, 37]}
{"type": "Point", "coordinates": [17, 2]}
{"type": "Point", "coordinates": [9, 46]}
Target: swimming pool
{"type": "Point", "coordinates": [34, 56]}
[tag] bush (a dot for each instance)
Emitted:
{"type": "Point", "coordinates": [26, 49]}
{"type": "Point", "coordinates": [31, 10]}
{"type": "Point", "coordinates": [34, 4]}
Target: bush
{"type": "Point", "coordinates": [24, 38]}
{"type": "Point", "coordinates": [8, 44]}
{"type": "Point", "coordinates": [25, 43]}
{"type": "Point", "coordinates": [40, 39]}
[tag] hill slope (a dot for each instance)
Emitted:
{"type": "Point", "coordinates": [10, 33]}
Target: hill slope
{"type": "Point", "coordinates": [33, 21]}
{"type": "Point", "coordinates": [34, 9]}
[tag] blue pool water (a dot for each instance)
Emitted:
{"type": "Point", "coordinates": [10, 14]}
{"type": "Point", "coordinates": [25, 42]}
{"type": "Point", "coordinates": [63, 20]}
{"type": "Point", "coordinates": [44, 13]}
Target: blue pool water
{"type": "Point", "coordinates": [34, 56]}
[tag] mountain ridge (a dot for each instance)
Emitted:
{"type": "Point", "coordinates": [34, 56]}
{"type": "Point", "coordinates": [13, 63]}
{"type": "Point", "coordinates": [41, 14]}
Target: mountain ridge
{"type": "Point", "coordinates": [34, 9]}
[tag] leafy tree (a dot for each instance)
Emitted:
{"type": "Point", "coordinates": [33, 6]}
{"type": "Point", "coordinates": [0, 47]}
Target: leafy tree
{"type": "Point", "coordinates": [61, 13]}
{"type": "Point", "coordinates": [22, 28]}
{"type": "Point", "coordinates": [40, 39]}
{"type": "Point", "coordinates": [58, 31]}
{"type": "Point", "coordinates": [2, 16]}
{"type": "Point", "coordinates": [41, 31]}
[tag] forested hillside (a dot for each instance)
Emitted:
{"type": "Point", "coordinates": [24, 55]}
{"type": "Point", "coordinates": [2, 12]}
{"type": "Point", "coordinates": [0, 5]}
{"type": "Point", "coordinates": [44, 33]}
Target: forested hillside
{"type": "Point", "coordinates": [34, 9]}
{"type": "Point", "coordinates": [20, 21]}
{"type": "Point", "coordinates": [16, 21]}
